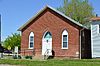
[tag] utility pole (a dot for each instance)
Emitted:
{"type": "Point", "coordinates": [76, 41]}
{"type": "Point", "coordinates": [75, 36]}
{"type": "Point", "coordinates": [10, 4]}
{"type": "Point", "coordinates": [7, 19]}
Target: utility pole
{"type": "Point", "coordinates": [0, 28]}
{"type": "Point", "coordinates": [1, 48]}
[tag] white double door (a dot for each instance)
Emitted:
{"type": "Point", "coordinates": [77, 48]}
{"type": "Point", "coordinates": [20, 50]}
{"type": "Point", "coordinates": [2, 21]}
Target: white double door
{"type": "Point", "coordinates": [47, 45]}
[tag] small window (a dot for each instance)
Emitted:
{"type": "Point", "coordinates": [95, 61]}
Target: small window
{"type": "Point", "coordinates": [31, 40]}
{"type": "Point", "coordinates": [65, 40]}
{"type": "Point", "coordinates": [47, 35]}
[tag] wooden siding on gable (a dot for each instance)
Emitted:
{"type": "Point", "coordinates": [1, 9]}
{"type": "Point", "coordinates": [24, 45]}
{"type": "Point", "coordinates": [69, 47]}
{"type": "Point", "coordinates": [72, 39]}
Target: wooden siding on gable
{"type": "Point", "coordinates": [95, 38]}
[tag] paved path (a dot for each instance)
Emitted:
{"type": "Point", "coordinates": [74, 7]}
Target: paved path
{"type": "Point", "coordinates": [7, 65]}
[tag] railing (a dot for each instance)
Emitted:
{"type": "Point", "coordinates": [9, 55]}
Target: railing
{"type": "Point", "coordinates": [8, 55]}
{"type": "Point", "coordinates": [46, 54]}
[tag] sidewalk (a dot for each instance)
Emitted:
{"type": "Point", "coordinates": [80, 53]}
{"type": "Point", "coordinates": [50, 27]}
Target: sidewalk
{"type": "Point", "coordinates": [8, 65]}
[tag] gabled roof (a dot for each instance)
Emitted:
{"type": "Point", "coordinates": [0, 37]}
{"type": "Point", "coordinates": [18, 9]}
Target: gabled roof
{"type": "Point", "coordinates": [30, 20]}
{"type": "Point", "coordinates": [95, 19]}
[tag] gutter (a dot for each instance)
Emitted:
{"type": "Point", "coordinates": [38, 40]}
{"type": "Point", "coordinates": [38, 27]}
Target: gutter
{"type": "Point", "coordinates": [80, 40]}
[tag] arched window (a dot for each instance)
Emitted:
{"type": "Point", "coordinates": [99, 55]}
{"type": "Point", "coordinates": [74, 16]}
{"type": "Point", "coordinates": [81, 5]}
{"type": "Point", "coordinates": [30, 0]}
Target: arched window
{"type": "Point", "coordinates": [31, 40]}
{"type": "Point", "coordinates": [47, 36]}
{"type": "Point", "coordinates": [64, 39]}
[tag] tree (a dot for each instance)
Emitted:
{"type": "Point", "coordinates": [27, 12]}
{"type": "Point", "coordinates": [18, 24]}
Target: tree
{"type": "Point", "coordinates": [12, 41]}
{"type": "Point", "coordinates": [79, 10]}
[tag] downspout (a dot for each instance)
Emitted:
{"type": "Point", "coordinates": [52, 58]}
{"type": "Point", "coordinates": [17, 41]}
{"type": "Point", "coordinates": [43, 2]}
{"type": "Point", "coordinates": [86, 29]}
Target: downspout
{"type": "Point", "coordinates": [80, 41]}
{"type": "Point", "coordinates": [91, 43]}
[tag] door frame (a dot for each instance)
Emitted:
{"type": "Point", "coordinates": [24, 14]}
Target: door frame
{"type": "Point", "coordinates": [44, 39]}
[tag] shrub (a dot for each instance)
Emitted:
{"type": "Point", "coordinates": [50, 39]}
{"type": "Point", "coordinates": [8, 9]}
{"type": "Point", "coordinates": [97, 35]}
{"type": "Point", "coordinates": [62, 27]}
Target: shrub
{"type": "Point", "coordinates": [28, 57]}
{"type": "Point", "coordinates": [15, 57]}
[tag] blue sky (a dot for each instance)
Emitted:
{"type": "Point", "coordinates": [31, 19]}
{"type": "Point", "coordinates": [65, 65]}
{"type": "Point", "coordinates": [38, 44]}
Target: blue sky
{"type": "Point", "coordinates": [16, 12]}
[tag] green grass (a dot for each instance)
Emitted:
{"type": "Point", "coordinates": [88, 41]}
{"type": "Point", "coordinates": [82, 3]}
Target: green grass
{"type": "Point", "coordinates": [85, 62]}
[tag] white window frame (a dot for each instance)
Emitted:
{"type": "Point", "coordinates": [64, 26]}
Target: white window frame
{"type": "Point", "coordinates": [31, 34]}
{"type": "Point", "coordinates": [65, 33]}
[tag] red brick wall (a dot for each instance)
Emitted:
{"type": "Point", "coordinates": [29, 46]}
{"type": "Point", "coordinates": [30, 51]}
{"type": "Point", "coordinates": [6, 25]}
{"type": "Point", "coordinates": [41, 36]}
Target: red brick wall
{"type": "Point", "coordinates": [51, 21]}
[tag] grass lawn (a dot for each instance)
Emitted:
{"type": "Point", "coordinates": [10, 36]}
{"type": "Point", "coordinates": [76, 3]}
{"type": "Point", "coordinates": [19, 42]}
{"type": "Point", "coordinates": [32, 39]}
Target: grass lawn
{"type": "Point", "coordinates": [85, 62]}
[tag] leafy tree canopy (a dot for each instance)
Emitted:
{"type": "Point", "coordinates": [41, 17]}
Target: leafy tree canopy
{"type": "Point", "coordinates": [79, 10]}
{"type": "Point", "coordinates": [12, 41]}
